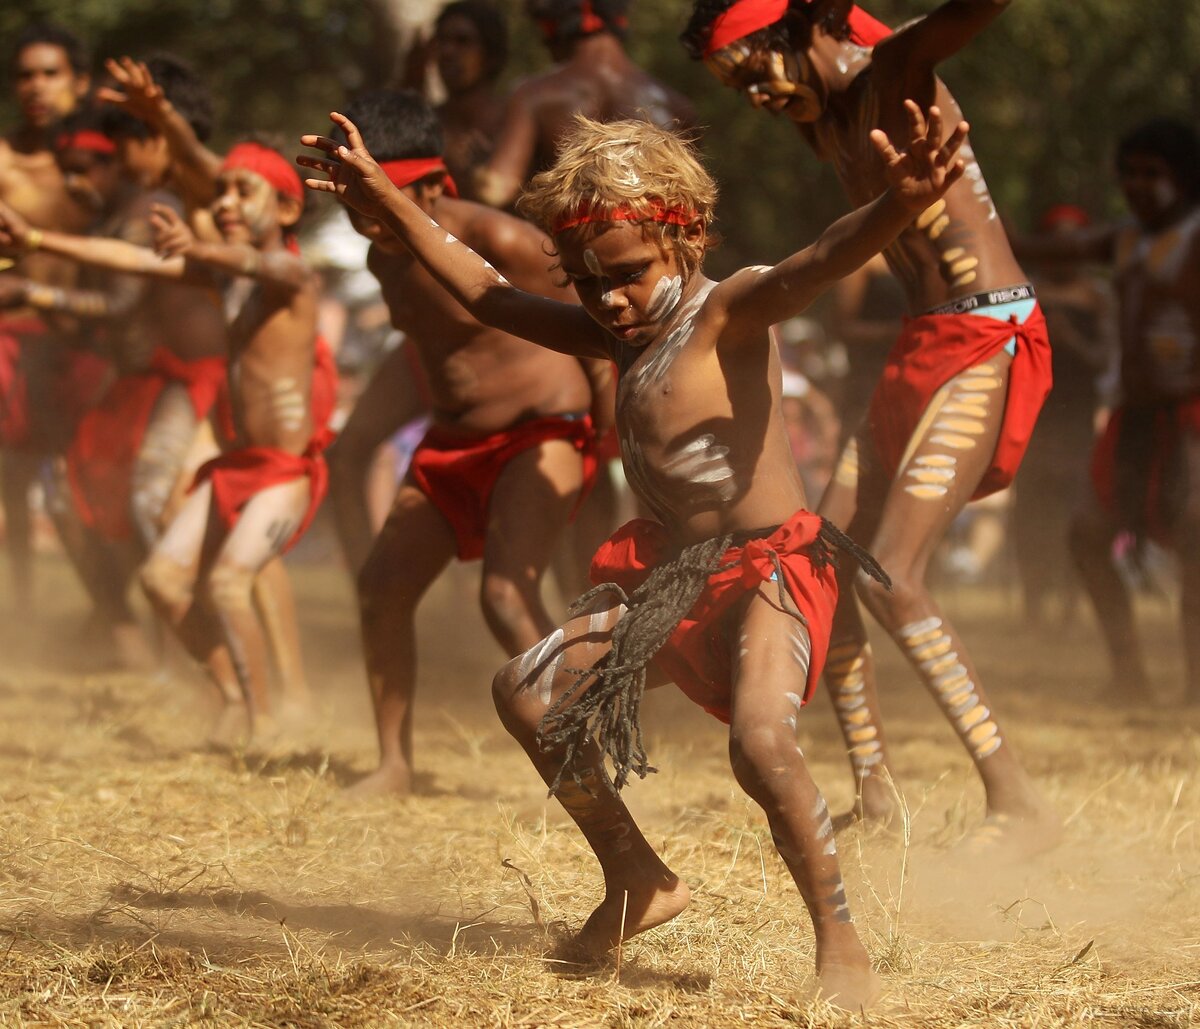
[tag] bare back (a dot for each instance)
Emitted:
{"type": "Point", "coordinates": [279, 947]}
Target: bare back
{"type": "Point", "coordinates": [480, 379]}
{"type": "Point", "coordinates": [958, 246]}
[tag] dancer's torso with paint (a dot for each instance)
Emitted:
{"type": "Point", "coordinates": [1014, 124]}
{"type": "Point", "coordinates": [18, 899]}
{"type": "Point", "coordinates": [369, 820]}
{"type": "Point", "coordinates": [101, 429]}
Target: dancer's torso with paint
{"type": "Point", "coordinates": [703, 442]}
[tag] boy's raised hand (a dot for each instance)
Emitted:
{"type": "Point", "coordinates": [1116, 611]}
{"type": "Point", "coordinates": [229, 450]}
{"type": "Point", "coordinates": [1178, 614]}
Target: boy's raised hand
{"type": "Point", "coordinates": [921, 174]}
{"type": "Point", "coordinates": [139, 94]}
{"type": "Point", "coordinates": [172, 236]}
{"type": "Point", "coordinates": [354, 176]}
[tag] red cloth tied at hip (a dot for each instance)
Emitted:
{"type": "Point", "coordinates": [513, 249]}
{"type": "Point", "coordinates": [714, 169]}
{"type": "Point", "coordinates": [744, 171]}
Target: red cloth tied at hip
{"type": "Point", "coordinates": [698, 657]}
{"type": "Point", "coordinates": [931, 350]}
{"type": "Point", "coordinates": [1139, 469]}
{"type": "Point", "coordinates": [102, 455]}
{"type": "Point", "coordinates": [239, 475]}
{"type": "Point", "coordinates": [45, 386]}
{"type": "Point", "coordinates": [458, 473]}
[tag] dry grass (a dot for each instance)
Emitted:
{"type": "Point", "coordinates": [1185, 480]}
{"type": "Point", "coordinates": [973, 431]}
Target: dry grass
{"type": "Point", "coordinates": [147, 881]}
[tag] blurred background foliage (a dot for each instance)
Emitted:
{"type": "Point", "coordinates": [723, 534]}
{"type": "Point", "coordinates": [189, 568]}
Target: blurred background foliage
{"type": "Point", "coordinates": [1048, 88]}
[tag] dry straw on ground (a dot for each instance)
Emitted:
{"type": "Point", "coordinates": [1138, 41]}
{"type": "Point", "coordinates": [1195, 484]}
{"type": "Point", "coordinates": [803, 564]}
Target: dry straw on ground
{"type": "Point", "coordinates": [147, 881]}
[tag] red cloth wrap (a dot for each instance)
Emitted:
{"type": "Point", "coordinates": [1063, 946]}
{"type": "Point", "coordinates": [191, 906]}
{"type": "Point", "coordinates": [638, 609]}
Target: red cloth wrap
{"type": "Point", "coordinates": [239, 475]}
{"type": "Point", "coordinates": [109, 438]}
{"type": "Point", "coordinates": [1151, 480]}
{"type": "Point", "coordinates": [931, 350]}
{"type": "Point", "coordinates": [458, 473]}
{"type": "Point", "coordinates": [406, 172]}
{"type": "Point", "coordinates": [698, 656]}
{"type": "Point", "coordinates": [268, 163]}
{"type": "Point", "coordinates": [75, 379]}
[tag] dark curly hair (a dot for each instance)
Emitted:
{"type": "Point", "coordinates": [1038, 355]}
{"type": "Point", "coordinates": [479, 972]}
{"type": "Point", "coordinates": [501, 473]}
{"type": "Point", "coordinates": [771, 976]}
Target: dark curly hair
{"type": "Point", "coordinates": [491, 25]}
{"type": "Point", "coordinates": [563, 20]}
{"type": "Point", "coordinates": [1176, 142]}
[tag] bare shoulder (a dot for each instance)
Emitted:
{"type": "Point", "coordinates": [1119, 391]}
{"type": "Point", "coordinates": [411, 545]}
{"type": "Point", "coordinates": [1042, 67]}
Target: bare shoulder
{"type": "Point", "coordinates": [495, 234]}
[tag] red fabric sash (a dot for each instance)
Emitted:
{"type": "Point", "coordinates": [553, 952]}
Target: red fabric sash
{"type": "Point", "coordinates": [698, 656]}
{"type": "Point", "coordinates": [931, 350]}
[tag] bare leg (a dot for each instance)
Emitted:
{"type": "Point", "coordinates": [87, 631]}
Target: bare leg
{"type": "Point", "coordinates": [263, 529]}
{"type": "Point", "coordinates": [773, 663]}
{"type": "Point", "coordinates": [412, 549]}
{"type": "Point", "coordinates": [159, 465]}
{"type": "Point", "coordinates": [276, 606]}
{"type": "Point", "coordinates": [640, 891]}
{"type": "Point", "coordinates": [390, 400]}
{"type": "Point", "coordinates": [530, 506]}
{"type": "Point", "coordinates": [169, 578]}
{"type": "Point", "coordinates": [17, 474]}
{"type": "Point", "coordinates": [948, 454]}
{"type": "Point", "coordinates": [1188, 536]}
{"type": "Point", "coordinates": [595, 522]}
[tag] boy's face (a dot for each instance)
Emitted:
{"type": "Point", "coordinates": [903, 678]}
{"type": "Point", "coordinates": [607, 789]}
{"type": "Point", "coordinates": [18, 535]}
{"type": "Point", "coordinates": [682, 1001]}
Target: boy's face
{"type": "Point", "coordinates": [246, 209]}
{"type": "Point", "coordinates": [1150, 187]}
{"type": "Point", "coordinates": [91, 179]}
{"type": "Point", "coordinates": [775, 79]}
{"type": "Point", "coordinates": [146, 161]}
{"type": "Point", "coordinates": [461, 60]}
{"type": "Point", "coordinates": [628, 283]}
{"type": "Point", "coordinates": [380, 236]}
{"type": "Point", "coordinates": [48, 88]}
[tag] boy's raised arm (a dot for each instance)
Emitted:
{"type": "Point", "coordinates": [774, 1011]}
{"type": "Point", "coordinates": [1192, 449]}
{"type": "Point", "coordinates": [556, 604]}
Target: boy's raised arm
{"type": "Point", "coordinates": [473, 282]}
{"type": "Point", "coordinates": [917, 177]}
{"type": "Point", "coordinates": [942, 33]}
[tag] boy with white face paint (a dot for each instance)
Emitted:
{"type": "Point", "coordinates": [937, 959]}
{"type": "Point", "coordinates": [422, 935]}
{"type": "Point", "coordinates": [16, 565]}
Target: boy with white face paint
{"type": "Point", "coordinates": [1146, 467]}
{"type": "Point", "coordinates": [729, 590]}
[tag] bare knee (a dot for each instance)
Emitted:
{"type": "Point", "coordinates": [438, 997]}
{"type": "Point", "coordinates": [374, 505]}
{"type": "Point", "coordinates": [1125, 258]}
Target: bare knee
{"type": "Point", "coordinates": [762, 755]}
{"type": "Point", "coordinates": [512, 705]}
{"type": "Point", "coordinates": [167, 583]}
{"type": "Point", "coordinates": [892, 607]}
{"type": "Point", "coordinates": [230, 589]}
{"type": "Point", "coordinates": [507, 604]}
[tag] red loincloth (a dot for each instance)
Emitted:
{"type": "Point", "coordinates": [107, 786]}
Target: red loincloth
{"type": "Point", "coordinates": [72, 377]}
{"type": "Point", "coordinates": [1138, 467]}
{"type": "Point", "coordinates": [459, 473]}
{"type": "Point", "coordinates": [931, 350]}
{"type": "Point", "coordinates": [109, 438]}
{"type": "Point", "coordinates": [239, 475]}
{"type": "Point", "coordinates": [698, 656]}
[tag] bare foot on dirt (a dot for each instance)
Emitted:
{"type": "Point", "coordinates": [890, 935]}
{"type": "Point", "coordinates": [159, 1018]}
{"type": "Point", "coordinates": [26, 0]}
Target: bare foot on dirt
{"type": "Point", "coordinates": [231, 726]}
{"type": "Point", "coordinates": [877, 808]}
{"type": "Point", "coordinates": [605, 929]}
{"type": "Point", "coordinates": [265, 733]}
{"type": "Point", "coordinates": [386, 780]}
{"type": "Point", "coordinates": [1015, 836]}
{"type": "Point", "coordinates": [850, 987]}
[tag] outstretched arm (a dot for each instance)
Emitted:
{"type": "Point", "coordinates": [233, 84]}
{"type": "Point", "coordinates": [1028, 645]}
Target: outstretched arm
{"type": "Point", "coordinates": [194, 167]}
{"type": "Point", "coordinates": [917, 177]}
{"type": "Point", "coordinates": [926, 42]}
{"type": "Point", "coordinates": [473, 282]}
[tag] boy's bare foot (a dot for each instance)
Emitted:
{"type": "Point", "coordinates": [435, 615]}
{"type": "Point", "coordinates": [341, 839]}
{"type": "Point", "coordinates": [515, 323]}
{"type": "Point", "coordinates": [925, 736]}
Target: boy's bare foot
{"type": "Point", "coordinates": [850, 987]}
{"type": "Point", "coordinates": [648, 905]}
{"type": "Point", "coordinates": [394, 780]}
{"type": "Point", "coordinates": [1015, 835]}
{"type": "Point", "coordinates": [265, 733]}
{"type": "Point", "coordinates": [876, 808]}
{"type": "Point", "coordinates": [231, 726]}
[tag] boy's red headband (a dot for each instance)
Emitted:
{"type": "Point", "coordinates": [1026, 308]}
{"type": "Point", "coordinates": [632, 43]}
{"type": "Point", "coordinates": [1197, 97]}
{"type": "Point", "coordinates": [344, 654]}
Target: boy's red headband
{"type": "Point", "coordinates": [587, 214]}
{"type": "Point", "coordinates": [748, 16]}
{"type": "Point", "coordinates": [1065, 214]}
{"type": "Point", "coordinates": [86, 139]}
{"type": "Point", "coordinates": [405, 173]}
{"type": "Point", "coordinates": [269, 164]}
{"type": "Point", "coordinates": [589, 22]}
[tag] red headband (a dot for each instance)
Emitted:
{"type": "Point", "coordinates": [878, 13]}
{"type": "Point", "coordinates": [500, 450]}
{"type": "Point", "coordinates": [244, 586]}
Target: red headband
{"type": "Point", "coordinates": [267, 163]}
{"type": "Point", "coordinates": [748, 16]}
{"type": "Point", "coordinates": [589, 22]}
{"type": "Point", "coordinates": [405, 173]}
{"type": "Point", "coordinates": [86, 139]}
{"type": "Point", "coordinates": [1065, 214]}
{"type": "Point", "coordinates": [587, 214]}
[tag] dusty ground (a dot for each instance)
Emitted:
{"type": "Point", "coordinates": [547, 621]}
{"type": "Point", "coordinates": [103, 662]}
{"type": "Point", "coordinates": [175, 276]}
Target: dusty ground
{"type": "Point", "coordinates": [148, 881]}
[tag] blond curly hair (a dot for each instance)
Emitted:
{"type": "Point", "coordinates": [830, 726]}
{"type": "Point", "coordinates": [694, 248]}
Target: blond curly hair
{"type": "Point", "coordinates": [632, 167]}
